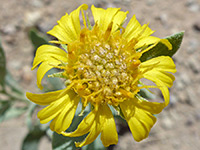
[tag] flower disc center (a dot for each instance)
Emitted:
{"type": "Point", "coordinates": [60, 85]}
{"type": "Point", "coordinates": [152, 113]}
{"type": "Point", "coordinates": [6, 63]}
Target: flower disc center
{"type": "Point", "coordinates": [104, 69]}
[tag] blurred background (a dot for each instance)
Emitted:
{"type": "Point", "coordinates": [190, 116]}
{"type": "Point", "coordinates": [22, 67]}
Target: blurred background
{"type": "Point", "coordinates": [178, 126]}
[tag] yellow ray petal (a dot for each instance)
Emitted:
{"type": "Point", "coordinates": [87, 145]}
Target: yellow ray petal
{"type": "Point", "coordinates": [94, 132]}
{"type": "Point", "coordinates": [89, 124]}
{"type": "Point", "coordinates": [162, 86]}
{"type": "Point", "coordinates": [44, 68]}
{"type": "Point", "coordinates": [46, 52]}
{"type": "Point", "coordinates": [84, 127]}
{"type": "Point", "coordinates": [151, 40]}
{"type": "Point", "coordinates": [146, 31]}
{"type": "Point", "coordinates": [75, 18]}
{"type": "Point", "coordinates": [109, 134]}
{"type": "Point", "coordinates": [140, 122]}
{"type": "Point", "coordinates": [152, 107]}
{"type": "Point", "coordinates": [164, 77]}
{"type": "Point", "coordinates": [64, 119]}
{"type": "Point", "coordinates": [46, 98]}
{"type": "Point", "coordinates": [166, 43]}
{"type": "Point", "coordinates": [47, 57]}
{"type": "Point", "coordinates": [161, 63]}
{"type": "Point", "coordinates": [62, 34]}
{"type": "Point", "coordinates": [108, 17]}
{"type": "Point", "coordinates": [50, 49]}
{"type": "Point", "coordinates": [132, 26]}
{"type": "Point", "coordinates": [128, 108]}
{"type": "Point", "coordinates": [165, 92]}
{"type": "Point", "coordinates": [118, 19]}
{"type": "Point", "coordinates": [68, 28]}
{"type": "Point", "coordinates": [147, 41]}
{"type": "Point", "coordinates": [135, 30]}
{"type": "Point", "coordinates": [96, 122]}
{"type": "Point", "coordinates": [105, 17]}
{"type": "Point", "coordinates": [97, 13]}
{"type": "Point", "coordinates": [157, 73]}
{"type": "Point", "coordinates": [50, 112]}
{"type": "Point", "coordinates": [102, 17]}
{"type": "Point", "coordinates": [96, 128]}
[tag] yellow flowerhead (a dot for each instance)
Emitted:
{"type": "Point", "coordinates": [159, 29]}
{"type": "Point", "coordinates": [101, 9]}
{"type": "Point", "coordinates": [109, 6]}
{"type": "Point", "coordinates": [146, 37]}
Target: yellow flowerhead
{"type": "Point", "coordinates": [102, 67]}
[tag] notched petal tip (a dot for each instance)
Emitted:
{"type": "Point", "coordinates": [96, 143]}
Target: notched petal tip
{"type": "Point", "coordinates": [84, 6]}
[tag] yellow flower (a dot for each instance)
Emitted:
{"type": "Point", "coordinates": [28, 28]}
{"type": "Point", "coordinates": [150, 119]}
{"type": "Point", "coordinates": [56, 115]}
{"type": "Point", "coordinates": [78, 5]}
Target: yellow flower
{"type": "Point", "coordinates": [102, 67]}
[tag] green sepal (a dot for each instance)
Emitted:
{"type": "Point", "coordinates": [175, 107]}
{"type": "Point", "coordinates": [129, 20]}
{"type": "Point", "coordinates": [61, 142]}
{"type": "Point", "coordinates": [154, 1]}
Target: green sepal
{"type": "Point", "coordinates": [162, 50]}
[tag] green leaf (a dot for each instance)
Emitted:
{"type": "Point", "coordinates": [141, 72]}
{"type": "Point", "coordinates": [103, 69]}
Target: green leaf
{"type": "Point", "coordinates": [36, 38]}
{"type": "Point", "coordinates": [8, 112]}
{"type": "Point", "coordinates": [30, 111]}
{"type": "Point", "coordinates": [4, 107]}
{"type": "Point", "coordinates": [31, 141]}
{"type": "Point", "coordinates": [161, 50]}
{"type": "Point", "coordinates": [13, 84]}
{"type": "Point", "coordinates": [2, 66]}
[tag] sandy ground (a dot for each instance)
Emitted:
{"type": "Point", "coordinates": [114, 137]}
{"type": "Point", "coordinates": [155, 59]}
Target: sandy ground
{"type": "Point", "coordinates": [178, 126]}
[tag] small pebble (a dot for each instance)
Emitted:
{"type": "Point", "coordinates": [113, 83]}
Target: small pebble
{"type": "Point", "coordinates": [192, 5]}
{"type": "Point", "coordinates": [167, 123]}
{"type": "Point", "coordinates": [196, 26]}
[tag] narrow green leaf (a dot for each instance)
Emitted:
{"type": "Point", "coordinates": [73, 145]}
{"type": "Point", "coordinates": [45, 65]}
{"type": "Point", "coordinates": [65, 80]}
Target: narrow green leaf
{"type": "Point", "coordinates": [15, 112]}
{"type": "Point", "coordinates": [36, 38]}
{"type": "Point", "coordinates": [2, 66]}
{"type": "Point", "coordinates": [161, 50]}
{"type": "Point", "coordinates": [13, 84]}
{"type": "Point", "coordinates": [31, 141]}
{"type": "Point", "coordinates": [30, 110]}
{"type": "Point", "coordinates": [4, 107]}
{"type": "Point", "coordinates": [8, 112]}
